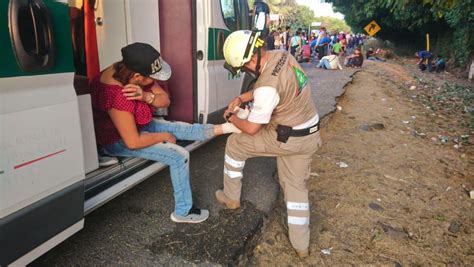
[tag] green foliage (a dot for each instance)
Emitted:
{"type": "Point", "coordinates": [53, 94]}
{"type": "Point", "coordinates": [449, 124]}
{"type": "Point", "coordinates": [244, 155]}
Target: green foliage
{"type": "Point", "coordinates": [450, 23]}
{"type": "Point", "coordinates": [333, 24]}
{"type": "Point", "coordinates": [298, 16]}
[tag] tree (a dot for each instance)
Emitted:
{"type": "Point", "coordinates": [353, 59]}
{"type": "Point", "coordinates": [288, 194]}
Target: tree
{"type": "Point", "coordinates": [449, 22]}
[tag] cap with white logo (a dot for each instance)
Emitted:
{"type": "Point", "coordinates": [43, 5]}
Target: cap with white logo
{"type": "Point", "coordinates": [144, 59]}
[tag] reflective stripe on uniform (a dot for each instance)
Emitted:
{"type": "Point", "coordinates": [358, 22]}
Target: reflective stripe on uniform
{"type": "Point", "coordinates": [297, 206]}
{"type": "Point", "coordinates": [232, 174]}
{"type": "Point", "coordinates": [234, 163]}
{"type": "Point", "coordinates": [298, 220]}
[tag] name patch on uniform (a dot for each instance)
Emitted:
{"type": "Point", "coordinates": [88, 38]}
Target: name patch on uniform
{"type": "Point", "coordinates": [301, 78]}
{"type": "Point", "coordinates": [314, 129]}
{"type": "Point", "coordinates": [280, 64]}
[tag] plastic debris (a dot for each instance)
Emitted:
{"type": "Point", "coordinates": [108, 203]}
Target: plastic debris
{"type": "Point", "coordinates": [418, 134]}
{"type": "Point", "coordinates": [457, 146]}
{"type": "Point", "coordinates": [326, 251]}
{"type": "Point", "coordinates": [443, 139]}
{"type": "Point", "coordinates": [314, 174]}
{"type": "Point", "coordinates": [454, 227]}
{"type": "Point", "coordinates": [467, 190]}
{"type": "Point", "coordinates": [413, 117]}
{"type": "Point", "coordinates": [376, 207]}
{"type": "Point", "coordinates": [468, 109]}
{"type": "Point", "coordinates": [342, 164]}
{"type": "Point", "coordinates": [372, 126]}
{"type": "Point", "coordinates": [406, 122]}
{"type": "Point", "coordinates": [412, 87]}
{"type": "Point", "coordinates": [339, 108]}
{"type": "Point", "coordinates": [383, 99]}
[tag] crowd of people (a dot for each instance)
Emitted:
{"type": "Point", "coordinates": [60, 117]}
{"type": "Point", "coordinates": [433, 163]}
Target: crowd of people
{"type": "Point", "coordinates": [326, 48]}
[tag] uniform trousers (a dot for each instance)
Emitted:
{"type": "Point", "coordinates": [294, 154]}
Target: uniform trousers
{"type": "Point", "coordinates": [293, 163]}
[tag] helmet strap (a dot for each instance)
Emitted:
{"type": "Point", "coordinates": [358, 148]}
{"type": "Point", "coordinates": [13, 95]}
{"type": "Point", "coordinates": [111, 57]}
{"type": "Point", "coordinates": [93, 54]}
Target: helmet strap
{"type": "Point", "coordinates": [259, 59]}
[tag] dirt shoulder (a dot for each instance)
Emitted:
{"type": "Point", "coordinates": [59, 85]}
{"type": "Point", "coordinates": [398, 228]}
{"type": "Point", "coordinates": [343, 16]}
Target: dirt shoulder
{"type": "Point", "coordinates": [400, 200]}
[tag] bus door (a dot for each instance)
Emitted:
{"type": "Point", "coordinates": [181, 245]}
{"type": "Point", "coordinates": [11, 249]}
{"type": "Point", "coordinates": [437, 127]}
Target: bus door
{"type": "Point", "coordinates": [123, 22]}
{"type": "Point", "coordinates": [221, 18]}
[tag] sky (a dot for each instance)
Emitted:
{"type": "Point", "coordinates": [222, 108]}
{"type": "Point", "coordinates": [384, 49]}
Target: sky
{"type": "Point", "coordinates": [321, 9]}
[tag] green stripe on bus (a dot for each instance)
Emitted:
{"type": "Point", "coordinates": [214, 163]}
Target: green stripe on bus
{"type": "Point", "coordinates": [216, 43]}
{"type": "Point", "coordinates": [2, 172]}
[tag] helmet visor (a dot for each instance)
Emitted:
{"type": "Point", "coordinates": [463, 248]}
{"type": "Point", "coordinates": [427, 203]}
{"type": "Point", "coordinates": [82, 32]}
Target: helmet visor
{"type": "Point", "coordinates": [233, 70]}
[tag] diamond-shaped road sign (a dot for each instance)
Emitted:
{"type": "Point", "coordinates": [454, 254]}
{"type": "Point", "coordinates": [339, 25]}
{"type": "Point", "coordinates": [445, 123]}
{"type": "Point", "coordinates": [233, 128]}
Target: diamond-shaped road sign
{"type": "Point", "coordinates": [372, 28]}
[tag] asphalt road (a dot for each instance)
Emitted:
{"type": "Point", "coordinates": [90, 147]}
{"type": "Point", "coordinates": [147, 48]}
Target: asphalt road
{"type": "Point", "coordinates": [135, 229]}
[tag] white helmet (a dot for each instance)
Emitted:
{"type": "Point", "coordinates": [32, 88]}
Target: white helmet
{"type": "Point", "coordinates": [239, 47]}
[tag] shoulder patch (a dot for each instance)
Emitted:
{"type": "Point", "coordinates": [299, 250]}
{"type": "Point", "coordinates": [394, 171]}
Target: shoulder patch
{"type": "Point", "coordinates": [301, 79]}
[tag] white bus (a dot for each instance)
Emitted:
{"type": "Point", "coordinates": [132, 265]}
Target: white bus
{"type": "Point", "coordinates": [49, 173]}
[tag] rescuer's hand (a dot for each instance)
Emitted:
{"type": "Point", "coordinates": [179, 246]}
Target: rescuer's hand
{"type": "Point", "coordinates": [235, 103]}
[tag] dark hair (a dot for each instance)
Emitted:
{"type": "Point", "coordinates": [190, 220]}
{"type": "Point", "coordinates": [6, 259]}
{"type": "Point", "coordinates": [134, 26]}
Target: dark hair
{"type": "Point", "coordinates": [121, 73]}
{"type": "Point", "coordinates": [287, 27]}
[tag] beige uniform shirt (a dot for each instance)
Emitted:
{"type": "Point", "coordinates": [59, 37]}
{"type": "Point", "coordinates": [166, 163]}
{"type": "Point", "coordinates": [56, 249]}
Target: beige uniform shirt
{"type": "Point", "coordinates": [295, 105]}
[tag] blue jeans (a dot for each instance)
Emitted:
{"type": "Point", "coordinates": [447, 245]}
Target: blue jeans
{"type": "Point", "coordinates": [171, 154]}
{"type": "Point", "coordinates": [324, 63]}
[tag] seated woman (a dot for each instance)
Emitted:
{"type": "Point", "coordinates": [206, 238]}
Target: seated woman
{"type": "Point", "coordinates": [355, 60]}
{"type": "Point", "coordinates": [124, 96]}
{"type": "Point", "coordinates": [330, 62]}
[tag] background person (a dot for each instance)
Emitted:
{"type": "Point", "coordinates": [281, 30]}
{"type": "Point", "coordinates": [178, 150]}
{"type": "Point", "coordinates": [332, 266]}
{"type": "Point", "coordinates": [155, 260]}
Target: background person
{"type": "Point", "coordinates": [124, 96]}
{"type": "Point", "coordinates": [330, 62]}
{"type": "Point", "coordinates": [356, 59]}
{"type": "Point", "coordinates": [425, 58]}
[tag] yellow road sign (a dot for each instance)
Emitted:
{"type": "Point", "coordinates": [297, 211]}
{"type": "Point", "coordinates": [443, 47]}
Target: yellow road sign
{"type": "Point", "coordinates": [372, 28]}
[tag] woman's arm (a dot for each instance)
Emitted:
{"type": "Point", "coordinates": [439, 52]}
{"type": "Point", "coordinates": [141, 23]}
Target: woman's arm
{"type": "Point", "coordinates": [158, 97]}
{"type": "Point", "coordinates": [125, 124]}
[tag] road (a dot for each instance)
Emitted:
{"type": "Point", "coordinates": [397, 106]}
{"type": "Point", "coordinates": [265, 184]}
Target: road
{"type": "Point", "coordinates": [135, 229]}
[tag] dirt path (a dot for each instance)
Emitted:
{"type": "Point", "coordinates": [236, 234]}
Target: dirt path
{"type": "Point", "coordinates": [400, 200]}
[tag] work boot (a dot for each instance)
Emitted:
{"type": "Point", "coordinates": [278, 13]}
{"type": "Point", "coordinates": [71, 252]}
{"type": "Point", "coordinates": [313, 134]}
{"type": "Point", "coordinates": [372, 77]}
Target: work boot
{"type": "Point", "coordinates": [229, 203]}
{"type": "Point", "coordinates": [302, 253]}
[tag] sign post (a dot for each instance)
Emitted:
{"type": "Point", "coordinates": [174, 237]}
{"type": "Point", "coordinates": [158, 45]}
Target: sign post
{"type": "Point", "coordinates": [427, 42]}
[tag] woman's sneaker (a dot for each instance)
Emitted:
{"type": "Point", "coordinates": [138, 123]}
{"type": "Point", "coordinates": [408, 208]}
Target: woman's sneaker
{"type": "Point", "coordinates": [195, 215]}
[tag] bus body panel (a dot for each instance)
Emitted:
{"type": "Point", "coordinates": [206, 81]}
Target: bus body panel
{"type": "Point", "coordinates": [42, 164]}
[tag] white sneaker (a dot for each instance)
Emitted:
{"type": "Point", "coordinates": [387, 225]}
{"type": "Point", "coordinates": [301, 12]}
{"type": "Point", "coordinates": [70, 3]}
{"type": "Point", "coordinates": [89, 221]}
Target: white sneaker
{"type": "Point", "coordinates": [105, 161]}
{"type": "Point", "coordinates": [195, 215]}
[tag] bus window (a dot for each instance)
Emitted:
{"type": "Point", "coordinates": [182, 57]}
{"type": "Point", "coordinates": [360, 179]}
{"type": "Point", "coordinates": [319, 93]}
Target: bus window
{"type": "Point", "coordinates": [228, 12]}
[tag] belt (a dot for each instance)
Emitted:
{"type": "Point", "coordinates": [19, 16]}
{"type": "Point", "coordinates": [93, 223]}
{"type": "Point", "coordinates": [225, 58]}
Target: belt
{"type": "Point", "coordinates": [284, 132]}
{"type": "Point", "coordinates": [306, 131]}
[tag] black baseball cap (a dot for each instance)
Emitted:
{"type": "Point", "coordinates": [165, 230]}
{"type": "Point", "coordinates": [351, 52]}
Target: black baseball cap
{"type": "Point", "coordinates": [144, 59]}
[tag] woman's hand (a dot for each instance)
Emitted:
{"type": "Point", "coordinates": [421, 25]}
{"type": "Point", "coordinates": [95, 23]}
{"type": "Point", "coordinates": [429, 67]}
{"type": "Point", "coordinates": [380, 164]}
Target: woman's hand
{"type": "Point", "coordinates": [133, 92]}
{"type": "Point", "coordinates": [169, 138]}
